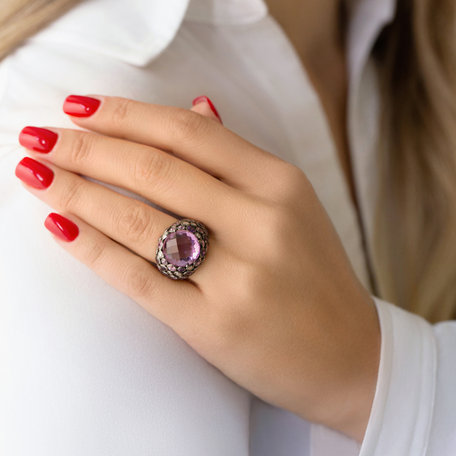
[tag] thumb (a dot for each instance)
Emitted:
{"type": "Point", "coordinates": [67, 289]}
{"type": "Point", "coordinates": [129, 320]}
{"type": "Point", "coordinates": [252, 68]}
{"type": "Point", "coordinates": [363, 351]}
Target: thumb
{"type": "Point", "coordinates": [204, 106]}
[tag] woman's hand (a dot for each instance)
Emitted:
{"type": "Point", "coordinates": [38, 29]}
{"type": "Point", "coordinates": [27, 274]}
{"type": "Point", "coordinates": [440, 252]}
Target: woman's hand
{"type": "Point", "coordinates": [276, 305]}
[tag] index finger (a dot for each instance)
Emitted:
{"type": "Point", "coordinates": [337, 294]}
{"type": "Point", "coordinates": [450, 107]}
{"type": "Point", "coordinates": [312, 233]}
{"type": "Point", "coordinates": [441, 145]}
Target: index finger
{"type": "Point", "coordinates": [190, 136]}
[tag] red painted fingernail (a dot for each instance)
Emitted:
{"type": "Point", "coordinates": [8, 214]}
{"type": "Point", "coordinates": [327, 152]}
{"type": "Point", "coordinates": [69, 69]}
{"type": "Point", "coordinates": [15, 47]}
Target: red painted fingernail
{"type": "Point", "coordinates": [38, 139]}
{"type": "Point", "coordinates": [34, 173]}
{"type": "Point", "coordinates": [78, 106]}
{"type": "Point", "coordinates": [204, 98]}
{"type": "Point", "coordinates": [62, 227]}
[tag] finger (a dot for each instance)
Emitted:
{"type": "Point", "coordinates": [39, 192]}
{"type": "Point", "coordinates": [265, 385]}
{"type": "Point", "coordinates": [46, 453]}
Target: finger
{"type": "Point", "coordinates": [196, 139]}
{"type": "Point", "coordinates": [177, 303]}
{"type": "Point", "coordinates": [126, 220]}
{"type": "Point", "coordinates": [168, 181]}
{"type": "Point", "coordinates": [204, 106]}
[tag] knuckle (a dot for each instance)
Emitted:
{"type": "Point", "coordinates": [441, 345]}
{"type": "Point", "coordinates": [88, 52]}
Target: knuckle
{"type": "Point", "coordinates": [152, 169]}
{"type": "Point", "coordinates": [94, 255]}
{"type": "Point", "coordinates": [122, 110]}
{"type": "Point", "coordinates": [297, 177]}
{"type": "Point", "coordinates": [135, 223]}
{"type": "Point", "coordinates": [81, 148]}
{"type": "Point", "coordinates": [70, 197]}
{"type": "Point", "coordinates": [293, 172]}
{"type": "Point", "coordinates": [138, 281]}
{"type": "Point", "coordinates": [188, 125]}
{"type": "Point", "coordinates": [297, 184]}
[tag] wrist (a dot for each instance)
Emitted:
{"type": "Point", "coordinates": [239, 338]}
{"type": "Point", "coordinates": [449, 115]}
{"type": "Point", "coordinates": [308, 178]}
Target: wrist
{"type": "Point", "coordinates": [358, 396]}
{"type": "Point", "coordinates": [346, 405]}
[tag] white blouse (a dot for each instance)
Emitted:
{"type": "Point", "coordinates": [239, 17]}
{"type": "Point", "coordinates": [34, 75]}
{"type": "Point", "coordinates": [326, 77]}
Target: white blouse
{"type": "Point", "coordinates": [85, 370]}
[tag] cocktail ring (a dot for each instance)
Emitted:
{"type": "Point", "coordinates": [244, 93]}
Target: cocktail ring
{"type": "Point", "coordinates": [182, 248]}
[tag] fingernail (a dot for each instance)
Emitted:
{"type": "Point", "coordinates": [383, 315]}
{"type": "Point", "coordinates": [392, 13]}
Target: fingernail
{"type": "Point", "coordinates": [62, 227]}
{"type": "Point", "coordinates": [78, 106]}
{"type": "Point", "coordinates": [34, 173]}
{"type": "Point", "coordinates": [204, 98]}
{"type": "Point", "coordinates": [38, 139]}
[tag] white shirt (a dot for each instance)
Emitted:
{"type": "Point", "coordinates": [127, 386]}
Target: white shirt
{"type": "Point", "coordinates": [88, 371]}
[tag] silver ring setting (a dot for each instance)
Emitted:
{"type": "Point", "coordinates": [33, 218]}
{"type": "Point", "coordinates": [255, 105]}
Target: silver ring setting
{"type": "Point", "coordinates": [182, 248]}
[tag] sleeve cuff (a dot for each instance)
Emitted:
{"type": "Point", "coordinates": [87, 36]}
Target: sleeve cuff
{"type": "Point", "coordinates": [402, 409]}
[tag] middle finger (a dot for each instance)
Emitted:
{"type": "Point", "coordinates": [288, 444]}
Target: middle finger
{"type": "Point", "coordinates": [160, 177]}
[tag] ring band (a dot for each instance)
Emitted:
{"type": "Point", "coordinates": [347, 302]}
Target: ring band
{"type": "Point", "coordinates": [182, 248]}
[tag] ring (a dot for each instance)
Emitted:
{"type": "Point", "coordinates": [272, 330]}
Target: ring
{"type": "Point", "coordinates": [182, 248]}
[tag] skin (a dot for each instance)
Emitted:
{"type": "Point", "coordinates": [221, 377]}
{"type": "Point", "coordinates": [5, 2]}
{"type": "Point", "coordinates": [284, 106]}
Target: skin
{"type": "Point", "coordinates": [317, 29]}
{"type": "Point", "coordinates": [301, 333]}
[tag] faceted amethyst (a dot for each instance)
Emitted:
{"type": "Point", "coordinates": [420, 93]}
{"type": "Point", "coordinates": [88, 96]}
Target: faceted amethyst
{"type": "Point", "coordinates": [181, 247]}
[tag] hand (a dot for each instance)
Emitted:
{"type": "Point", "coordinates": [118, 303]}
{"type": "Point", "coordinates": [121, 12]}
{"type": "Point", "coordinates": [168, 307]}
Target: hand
{"type": "Point", "coordinates": [276, 305]}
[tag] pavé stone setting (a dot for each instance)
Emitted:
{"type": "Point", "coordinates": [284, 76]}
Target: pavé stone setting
{"type": "Point", "coordinates": [182, 248]}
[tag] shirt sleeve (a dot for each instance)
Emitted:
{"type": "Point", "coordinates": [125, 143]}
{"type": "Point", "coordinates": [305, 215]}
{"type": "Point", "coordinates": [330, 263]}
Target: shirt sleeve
{"type": "Point", "coordinates": [414, 408]}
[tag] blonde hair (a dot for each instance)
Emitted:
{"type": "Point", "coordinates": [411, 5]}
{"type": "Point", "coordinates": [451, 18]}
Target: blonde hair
{"type": "Point", "coordinates": [20, 19]}
{"type": "Point", "coordinates": [415, 237]}
{"type": "Point", "coordinates": [415, 230]}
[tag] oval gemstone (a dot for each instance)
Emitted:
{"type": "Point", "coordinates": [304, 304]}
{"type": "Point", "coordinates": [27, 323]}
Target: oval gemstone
{"type": "Point", "coordinates": [181, 247]}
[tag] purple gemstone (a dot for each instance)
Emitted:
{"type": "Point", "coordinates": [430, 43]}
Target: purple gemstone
{"type": "Point", "coordinates": [181, 248]}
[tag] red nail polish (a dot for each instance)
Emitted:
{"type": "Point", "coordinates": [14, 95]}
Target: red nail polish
{"type": "Point", "coordinates": [62, 227]}
{"type": "Point", "coordinates": [78, 106]}
{"type": "Point", "coordinates": [204, 98]}
{"type": "Point", "coordinates": [34, 173]}
{"type": "Point", "coordinates": [38, 139]}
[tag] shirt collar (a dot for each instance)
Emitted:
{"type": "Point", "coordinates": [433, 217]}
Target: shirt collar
{"type": "Point", "coordinates": [367, 20]}
{"type": "Point", "coordinates": [134, 31]}
{"type": "Point", "coordinates": [137, 31]}
{"type": "Point", "coordinates": [226, 11]}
